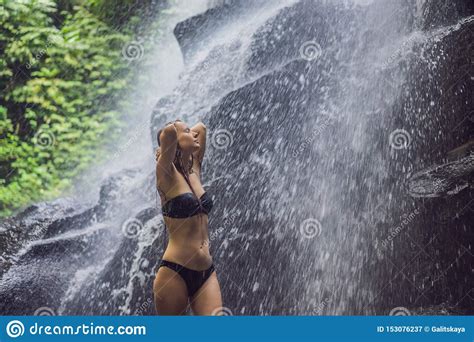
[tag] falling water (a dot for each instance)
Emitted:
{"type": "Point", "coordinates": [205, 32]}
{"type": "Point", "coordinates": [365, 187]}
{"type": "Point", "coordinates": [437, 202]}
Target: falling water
{"type": "Point", "coordinates": [318, 114]}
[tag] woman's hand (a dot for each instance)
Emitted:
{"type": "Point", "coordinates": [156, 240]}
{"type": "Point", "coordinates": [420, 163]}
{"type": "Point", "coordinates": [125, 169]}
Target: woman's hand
{"type": "Point", "coordinates": [198, 127]}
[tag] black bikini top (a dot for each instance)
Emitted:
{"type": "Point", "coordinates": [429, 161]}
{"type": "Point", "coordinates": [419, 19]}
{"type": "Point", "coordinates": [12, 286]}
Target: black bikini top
{"type": "Point", "coordinates": [187, 205]}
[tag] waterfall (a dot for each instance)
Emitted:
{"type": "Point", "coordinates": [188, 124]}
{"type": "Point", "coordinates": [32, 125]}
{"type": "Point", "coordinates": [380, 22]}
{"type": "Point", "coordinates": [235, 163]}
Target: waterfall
{"type": "Point", "coordinates": [320, 115]}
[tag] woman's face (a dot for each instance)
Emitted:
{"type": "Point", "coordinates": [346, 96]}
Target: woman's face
{"type": "Point", "coordinates": [187, 139]}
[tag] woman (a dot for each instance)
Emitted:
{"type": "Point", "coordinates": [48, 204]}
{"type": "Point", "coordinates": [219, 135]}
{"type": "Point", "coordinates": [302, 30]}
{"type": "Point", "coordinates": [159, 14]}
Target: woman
{"type": "Point", "coordinates": [186, 271]}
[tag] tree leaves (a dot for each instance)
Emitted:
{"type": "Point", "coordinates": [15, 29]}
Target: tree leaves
{"type": "Point", "coordinates": [59, 86]}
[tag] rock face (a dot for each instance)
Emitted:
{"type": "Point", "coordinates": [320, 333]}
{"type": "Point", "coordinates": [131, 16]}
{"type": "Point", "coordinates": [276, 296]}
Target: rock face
{"type": "Point", "coordinates": [318, 115]}
{"type": "Point", "coordinates": [54, 251]}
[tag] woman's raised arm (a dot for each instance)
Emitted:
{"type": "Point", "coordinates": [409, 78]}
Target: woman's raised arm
{"type": "Point", "coordinates": [168, 138]}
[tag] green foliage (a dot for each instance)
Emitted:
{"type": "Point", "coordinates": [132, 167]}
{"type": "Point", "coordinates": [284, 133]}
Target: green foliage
{"type": "Point", "coordinates": [60, 75]}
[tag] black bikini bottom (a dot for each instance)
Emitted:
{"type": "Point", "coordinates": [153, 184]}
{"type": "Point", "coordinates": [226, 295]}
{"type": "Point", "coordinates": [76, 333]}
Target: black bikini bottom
{"type": "Point", "coordinates": [193, 279]}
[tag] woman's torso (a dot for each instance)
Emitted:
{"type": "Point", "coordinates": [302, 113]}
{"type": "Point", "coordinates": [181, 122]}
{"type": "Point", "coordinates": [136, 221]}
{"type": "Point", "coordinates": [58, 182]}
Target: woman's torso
{"type": "Point", "coordinates": [188, 237]}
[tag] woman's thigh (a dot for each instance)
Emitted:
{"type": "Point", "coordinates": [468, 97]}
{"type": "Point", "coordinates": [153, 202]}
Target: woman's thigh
{"type": "Point", "coordinates": [170, 292]}
{"type": "Point", "coordinates": [207, 300]}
